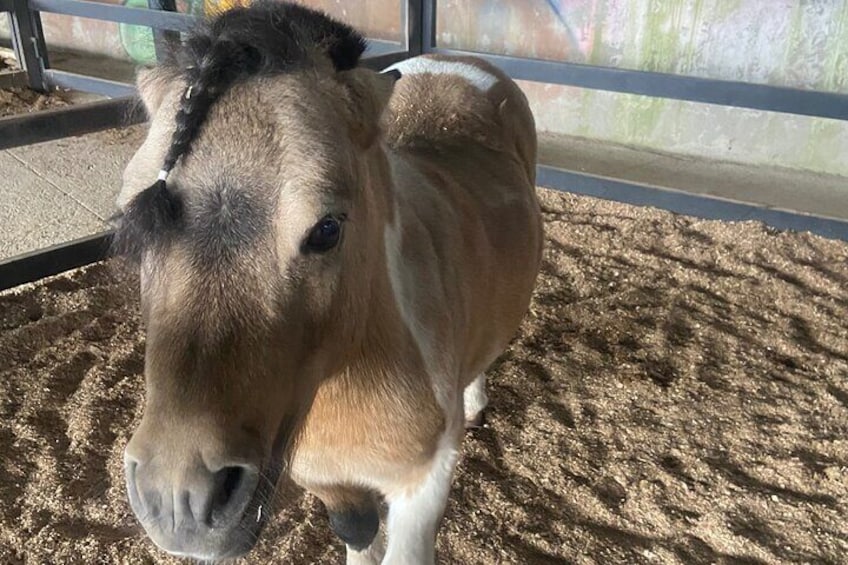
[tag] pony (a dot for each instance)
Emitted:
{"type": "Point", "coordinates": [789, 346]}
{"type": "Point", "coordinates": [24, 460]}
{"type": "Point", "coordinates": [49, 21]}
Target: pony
{"type": "Point", "coordinates": [330, 258]}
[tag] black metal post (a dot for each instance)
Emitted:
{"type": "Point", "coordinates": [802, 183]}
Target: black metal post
{"type": "Point", "coordinates": [411, 23]}
{"type": "Point", "coordinates": [428, 25]}
{"type": "Point", "coordinates": [28, 43]}
{"type": "Point", "coordinates": [161, 39]}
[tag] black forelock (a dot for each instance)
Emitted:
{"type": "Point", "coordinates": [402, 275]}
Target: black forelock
{"type": "Point", "coordinates": [152, 218]}
{"type": "Point", "coordinates": [218, 224]}
{"type": "Point", "coordinates": [264, 38]}
{"type": "Point", "coordinates": [268, 37]}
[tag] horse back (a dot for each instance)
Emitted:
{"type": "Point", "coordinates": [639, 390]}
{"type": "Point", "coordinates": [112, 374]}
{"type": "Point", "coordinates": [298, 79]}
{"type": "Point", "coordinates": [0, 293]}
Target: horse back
{"type": "Point", "coordinates": [464, 143]}
{"type": "Point", "coordinates": [457, 102]}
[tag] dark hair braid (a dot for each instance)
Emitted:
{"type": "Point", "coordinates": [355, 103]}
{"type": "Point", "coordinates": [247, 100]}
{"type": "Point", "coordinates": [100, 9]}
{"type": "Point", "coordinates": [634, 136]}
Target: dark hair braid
{"type": "Point", "coordinates": [264, 38]}
{"type": "Point", "coordinates": [221, 63]}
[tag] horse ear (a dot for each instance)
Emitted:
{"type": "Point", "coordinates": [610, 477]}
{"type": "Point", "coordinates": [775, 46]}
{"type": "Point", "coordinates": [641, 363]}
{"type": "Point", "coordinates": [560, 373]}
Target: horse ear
{"type": "Point", "coordinates": [152, 84]}
{"type": "Point", "coordinates": [369, 94]}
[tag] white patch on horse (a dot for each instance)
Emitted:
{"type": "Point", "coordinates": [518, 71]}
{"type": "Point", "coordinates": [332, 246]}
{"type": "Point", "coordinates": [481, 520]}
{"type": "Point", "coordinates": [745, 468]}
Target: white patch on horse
{"type": "Point", "coordinates": [414, 517]}
{"type": "Point", "coordinates": [478, 77]}
{"type": "Point", "coordinates": [404, 281]}
{"type": "Point", "coordinates": [475, 398]}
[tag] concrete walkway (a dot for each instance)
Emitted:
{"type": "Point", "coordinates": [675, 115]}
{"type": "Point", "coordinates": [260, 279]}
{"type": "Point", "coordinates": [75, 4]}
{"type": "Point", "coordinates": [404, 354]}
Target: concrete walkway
{"type": "Point", "coordinates": [62, 190]}
{"type": "Point", "coordinates": [773, 187]}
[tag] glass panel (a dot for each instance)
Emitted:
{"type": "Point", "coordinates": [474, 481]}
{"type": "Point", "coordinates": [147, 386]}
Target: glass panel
{"type": "Point", "coordinates": [5, 33]}
{"type": "Point", "coordinates": [95, 36]}
{"type": "Point", "coordinates": [785, 42]}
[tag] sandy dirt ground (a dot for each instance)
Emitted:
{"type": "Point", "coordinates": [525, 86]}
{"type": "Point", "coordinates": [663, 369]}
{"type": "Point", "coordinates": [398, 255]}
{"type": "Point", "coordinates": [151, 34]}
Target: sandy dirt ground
{"type": "Point", "coordinates": [678, 393]}
{"type": "Point", "coordinates": [23, 100]}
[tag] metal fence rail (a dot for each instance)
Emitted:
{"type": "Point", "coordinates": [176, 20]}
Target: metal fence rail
{"type": "Point", "coordinates": [75, 120]}
{"type": "Point", "coordinates": [156, 18]}
{"type": "Point", "coordinates": [677, 87]}
{"type": "Point", "coordinates": [419, 23]}
{"type": "Point", "coordinates": [36, 265]}
{"type": "Point", "coordinates": [682, 202]}
{"type": "Point", "coordinates": [85, 83]}
{"type": "Point", "coordinates": [28, 41]}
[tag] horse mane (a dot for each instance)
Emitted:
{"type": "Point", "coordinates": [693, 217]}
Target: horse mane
{"type": "Point", "coordinates": [265, 38]}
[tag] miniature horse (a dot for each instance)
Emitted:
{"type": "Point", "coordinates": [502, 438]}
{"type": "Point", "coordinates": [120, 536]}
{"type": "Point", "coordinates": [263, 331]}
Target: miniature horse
{"type": "Point", "coordinates": [330, 258]}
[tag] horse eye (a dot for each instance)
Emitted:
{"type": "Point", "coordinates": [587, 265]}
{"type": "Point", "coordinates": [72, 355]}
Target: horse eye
{"type": "Point", "coordinates": [324, 235]}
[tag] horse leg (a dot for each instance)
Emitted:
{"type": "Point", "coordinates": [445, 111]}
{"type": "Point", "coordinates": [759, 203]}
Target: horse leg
{"type": "Point", "coordinates": [355, 519]}
{"type": "Point", "coordinates": [475, 400]}
{"type": "Point", "coordinates": [415, 513]}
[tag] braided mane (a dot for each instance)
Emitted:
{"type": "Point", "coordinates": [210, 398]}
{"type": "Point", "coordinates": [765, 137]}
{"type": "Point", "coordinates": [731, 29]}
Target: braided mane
{"type": "Point", "coordinates": [266, 38]}
{"type": "Point", "coordinates": [263, 39]}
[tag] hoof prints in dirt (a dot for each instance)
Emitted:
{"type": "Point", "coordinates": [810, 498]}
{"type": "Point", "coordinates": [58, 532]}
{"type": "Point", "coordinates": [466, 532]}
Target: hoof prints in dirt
{"type": "Point", "coordinates": [677, 394]}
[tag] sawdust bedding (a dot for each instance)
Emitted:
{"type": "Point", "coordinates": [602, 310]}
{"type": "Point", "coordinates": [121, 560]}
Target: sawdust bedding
{"type": "Point", "coordinates": [15, 101]}
{"type": "Point", "coordinates": [678, 393]}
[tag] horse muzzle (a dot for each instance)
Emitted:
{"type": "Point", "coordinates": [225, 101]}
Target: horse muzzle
{"type": "Point", "coordinates": [192, 510]}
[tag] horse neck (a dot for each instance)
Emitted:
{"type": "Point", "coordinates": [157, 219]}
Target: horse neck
{"type": "Point", "coordinates": [385, 334]}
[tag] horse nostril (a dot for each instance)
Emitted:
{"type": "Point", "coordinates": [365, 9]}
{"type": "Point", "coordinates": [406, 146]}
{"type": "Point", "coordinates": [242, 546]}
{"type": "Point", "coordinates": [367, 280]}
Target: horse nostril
{"type": "Point", "coordinates": [227, 481]}
{"type": "Point", "coordinates": [231, 491]}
